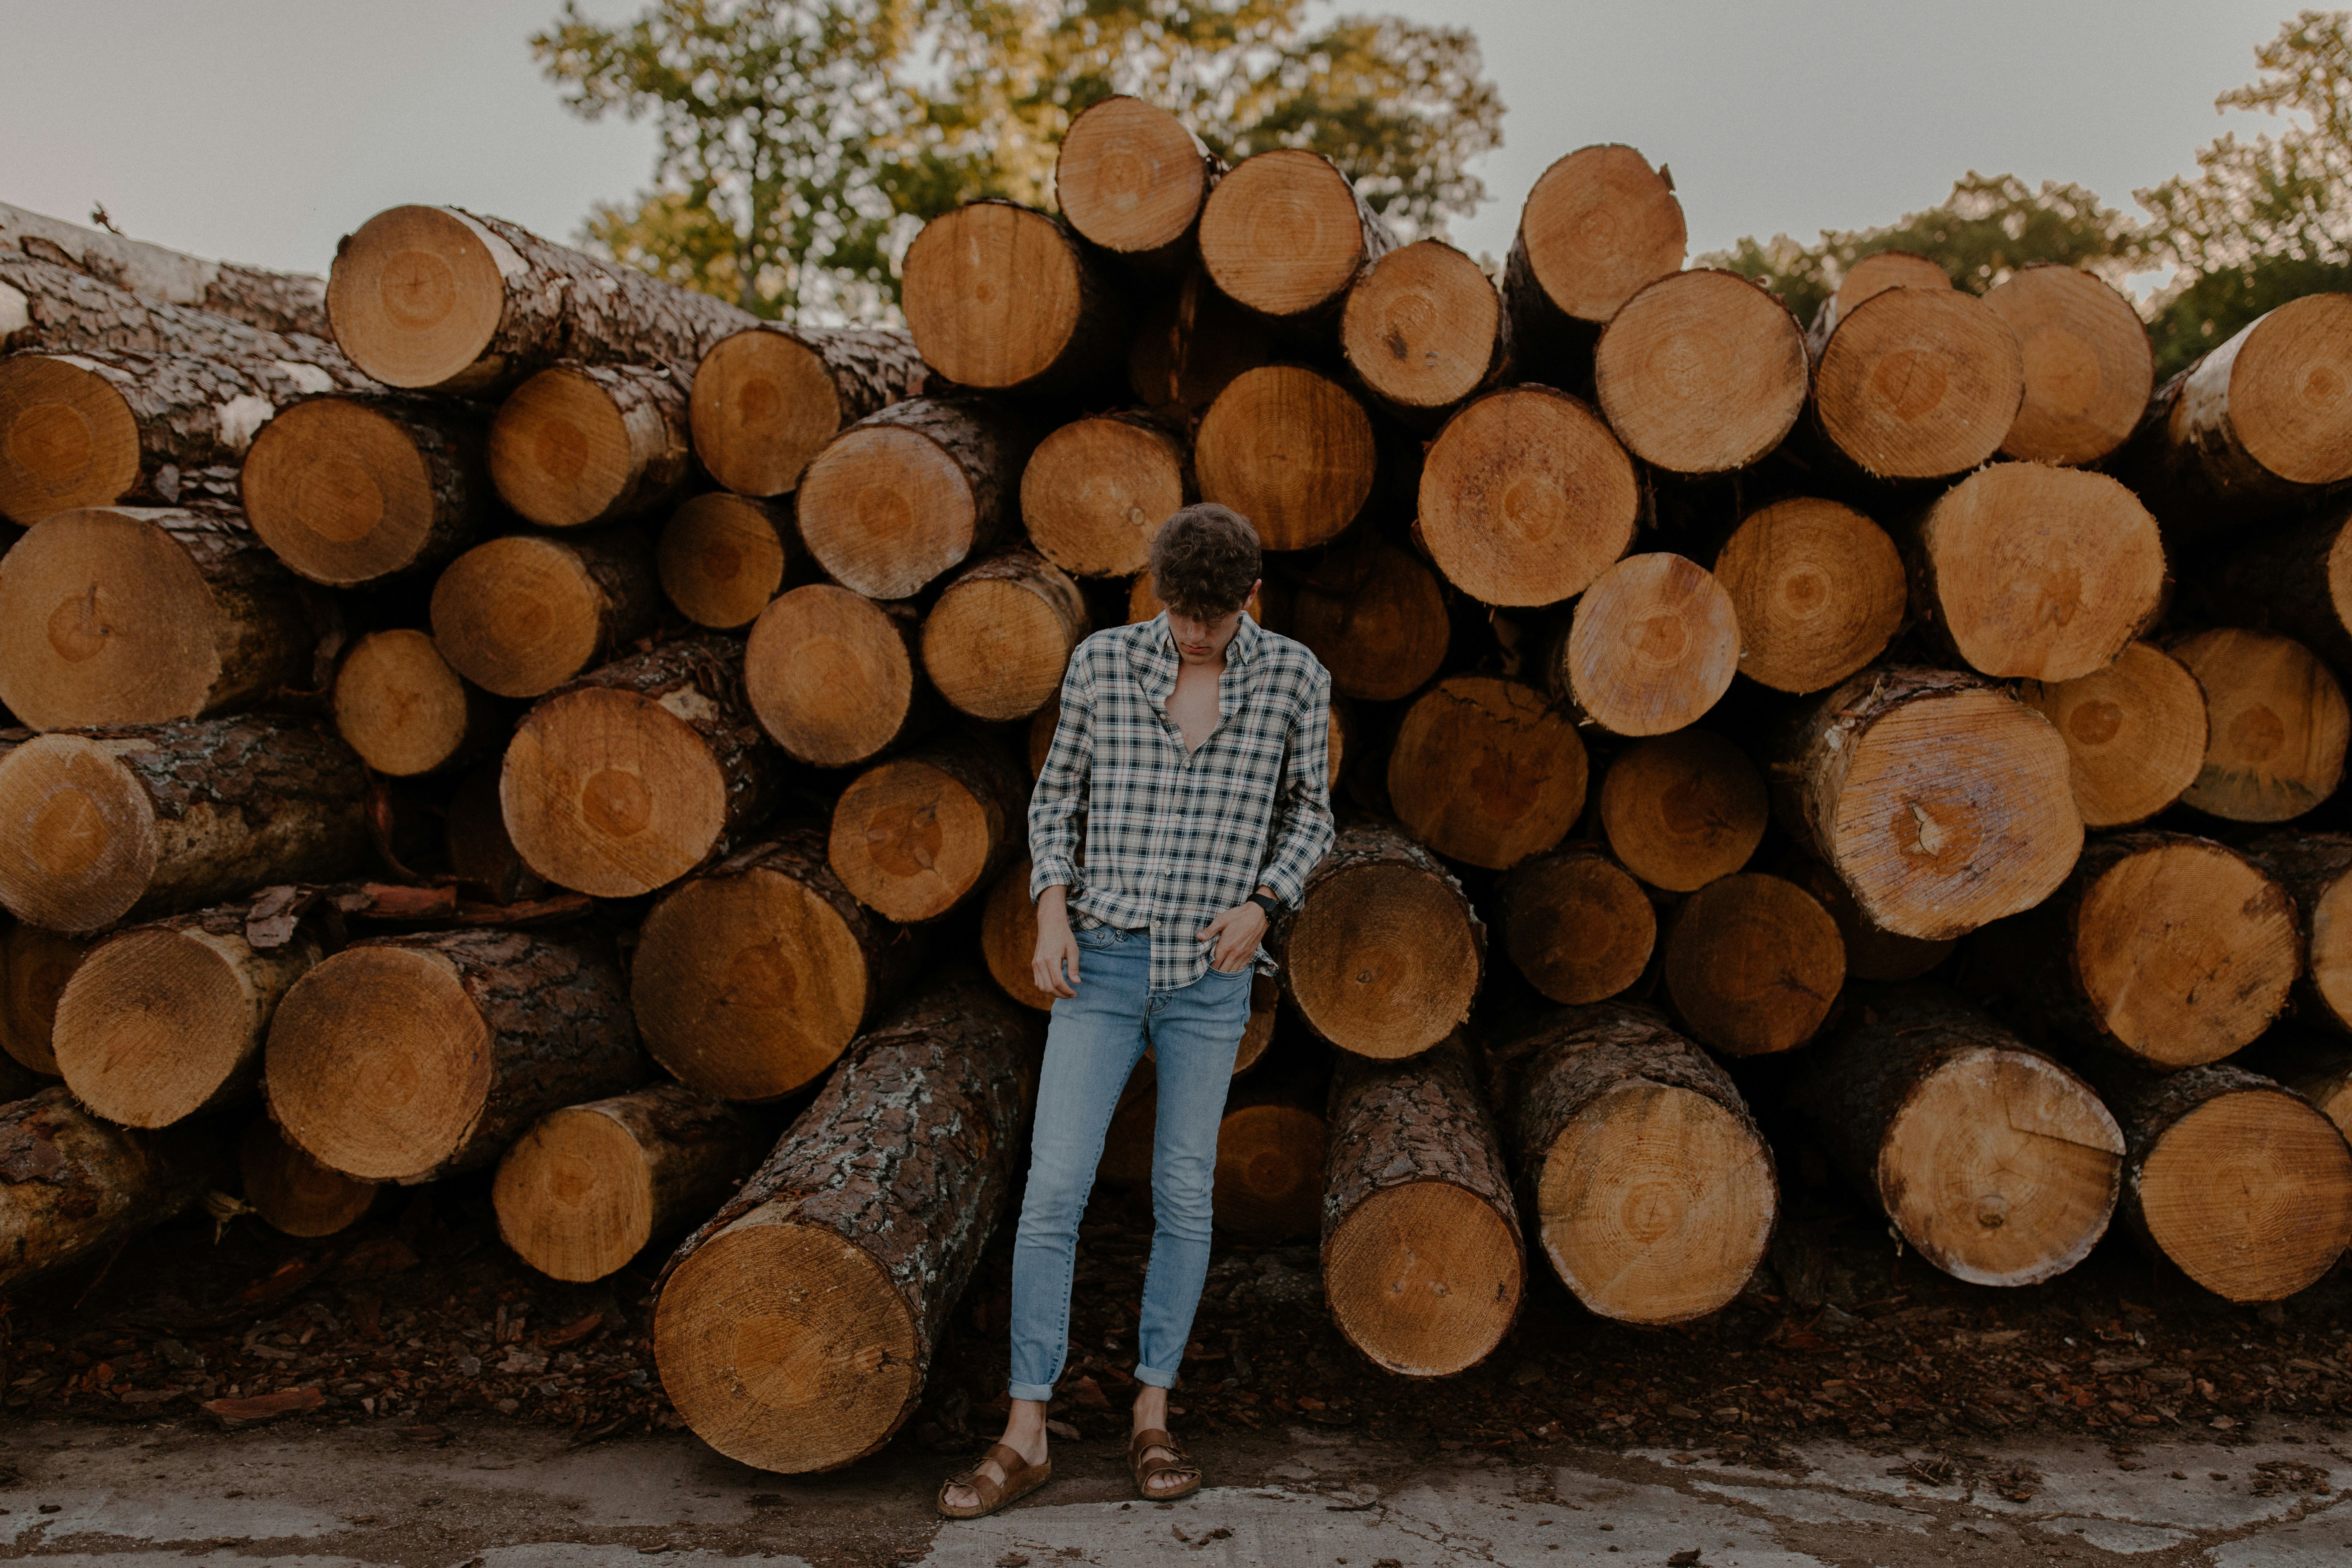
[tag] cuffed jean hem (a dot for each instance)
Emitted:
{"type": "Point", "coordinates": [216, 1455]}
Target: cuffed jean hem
{"type": "Point", "coordinates": [1043, 1392]}
{"type": "Point", "coordinates": [1151, 1379]}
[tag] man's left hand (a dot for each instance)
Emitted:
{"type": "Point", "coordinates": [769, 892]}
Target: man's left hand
{"type": "Point", "coordinates": [1237, 933]}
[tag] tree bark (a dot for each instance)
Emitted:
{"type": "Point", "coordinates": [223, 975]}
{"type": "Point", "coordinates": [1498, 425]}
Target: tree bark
{"type": "Point", "coordinates": [768, 398]}
{"type": "Point", "coordinates": [724, 558]}
{"type": "Point", "coordinates": [1376, 617]}
{"type": "Point", "coordinates": [1096, 491]}
{"type": "Point", "coordinates": [1650, 647]}
{"type": "Point", "coordinates": [1575, 923]}
{"type": "Point", "coordinates": [1292, 450]}
{"type": "Point", "coordinates": [70, 1184]}
{"type": "Point", "coordinates": [1701, 373]}
{"type": "Point", "coordinates": [1526, 498]}
{"type": "Point", "coordinates": [2069, 322]}
{"type": "Point", "coordinates": [291, 1192]}
{"type": "Point", "coordinates": [836, 678]}
{"type": "Point", "coordinates": [999, 637]}
{"type": "Point", "coordinates": [1681, 810]}
{"type": "Point", "coordinates": [1132, 179]}
{"type": "Point", "coordinates": [1002, 298]}
{"type": "Point", "coordinates": [915, 836]}
{"type": "Point", "coordinates": [2316, 869]}
{"type": "Point", "coordinates": [578, 444]}
{"type": "Point", "coordinates": [1284, 234]}
{"type": "Point", "coordinates": [1189, 346]}
{"type": "Point", "coordinates": [912, 492]}
{"type": "Point", "coordinates": [1819, 591]}
{"type": "Point", "coordinates": [1599, 223]}
{"type": "Point", "coordinates": [351, 490]}
{"type": "Point", "coordinates": [1753, 965]}
{"type": "Point", "coordinates": [2135, 733]}
{"type": "Point", "coordinates": [1486, 771]}
{"type": "Point", "coordinates": [286, 302]}
{"type": "Point", "coordinates": [1916, 384]}
{"type": "Point", "coordinates": [1425, 329]}
{"type": "Point", "coordinates": [2276, 725]}
{"type": "Point", "coordinates": [521, 615]}
{"type": "Point", "coordinates": [35, 965]}
{"type": "Point", "coordinates": [59, 308]}
{"type": "Point", "coordinates": [407, 713]}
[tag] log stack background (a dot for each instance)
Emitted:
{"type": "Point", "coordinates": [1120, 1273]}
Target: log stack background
{"type": "Point", "coordinates": [491, 712]}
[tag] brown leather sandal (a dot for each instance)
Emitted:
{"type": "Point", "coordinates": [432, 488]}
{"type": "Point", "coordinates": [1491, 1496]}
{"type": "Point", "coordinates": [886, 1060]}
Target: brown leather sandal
{"type": "Point", "coordinates": [1144, 1469]}
{"type": "Point", "coordinates": [1020, 1478]}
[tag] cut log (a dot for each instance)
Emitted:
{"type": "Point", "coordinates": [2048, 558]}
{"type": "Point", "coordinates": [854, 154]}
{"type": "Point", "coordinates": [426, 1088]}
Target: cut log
{"type": "Point", "coordinates": [836, 679]}
{"type": "Point", "coordinates": [767, 399]}
{"type": "Point", "coordinates": [1008, 937]}
{"type": "Point", "coordinates": [639, 772]}
{"type": "Point", "coordinates": [1002, 298]}
{"type": "Point", "coordinates": [1096, 491]}
{"type": "Point", "coordinates": [408, 1059]}
{"type": "Point", "coordinates": [1598, 224]}
{"type": "Point", "coordinates": [751, 979]}
{"type": "Point", "coordinates": [1290, 450]}
{"type": "Point", "coordinates": [911, 492]}
{"type": "Point", "coordinates": [1872, 952]}
{"type": "Point", "coordinates": [460, 302]}
{"type": "Point", "coordinates": [1753, 965]}
{"type": "Point", "coordinates": [915, 836]}
{"type": "Point", "coordinates": [2315, 1066]}
{"type": "Point", "coordinates": [2298, 580]}
{"type": "Point", "coordinates": [589, 1187]}
{"type": "Point", "coordinates": [1941, 801]}
{"type": "Point", "coordinates": [1526, 498]}
{"type": "Point", "coordinates": [2168, 948]}
{"type": "Point", "coordinates": [2023, 569]}
{"type": "Point", "coordinates": [1486, 771]}
{"type": "Point", "coordinates": [2312, 868]}
{"type": "Point", "coordinates": [796, 1327]}
{"type": "Point", "coordinates": [519, 616]}
{"type": "Point", "coordinates": [2089, 367]}
{"type": "Point", "coordinates": [2136, 731]}
{"type": "Point", "coordinates": [131, 615]}
{"type": "Point", "coordinates": [1997, 1164]}
{"type": "Point", "coordinates": [49, 305]}
{"type": "Point", "coordinates": [1284, 234]}
{"type": "Point", "coordinates": [1918, 384]}
{"type": "Point", "coordinates": [1422, 1266]}
{"type": "Point", "coordinates": [291, 1192]}
{"type": "Point", "coordinates": [481, 850]}
{"type": "Point", "coordinates": [1701, 373]}
{"type": "Point", "coordinates": [1375, 616]}
{"type": "Point", "coordinates": [1645, 1179]}
{"type": "Point", "coordinates": [1383, 955]}
{"type": "Point", "coordinates": [1873, 275]}
{"type": "Point", "coordinates": [137, 823]}
{"type": "Point", "coordinates": [351, 490]}
{"type": "Point", "coordinates": [1819, 591]}
{"type": "Point", "coordinates": [406, 712]}
{"type": "Point", "coordinates": [2276, 725]}
{"type": "Point", "coordinates": [1682, 810]}
{"type": "Point", "coordinates": [724, 558]}
{"type": "Point", "coordinates": [1000, 635]}
{"type": "Point", "coordinates": [71, 1185]}
{"type": "Point", "coordinates": [2244, 1185]}
{"type": "Point", "coordinates": [271, 301]}
{"type": "Point", "coordinates": [1651, 647]}
{"type": "Point", "coordinates": [1132, 179]}
{"type": "Point", "coordinates": [1423, 329]}
{"type": "Point", "coordinates": [1577, 924]}
{"type": "Point", "coordinates": [1268, 1186]}
{"type": "Point", "coordinates": [35, 965]}
{"type": "Point", "coordinates": [163, 1022]}
{"type": "Point", "coordinates": [579, 444]}
{"type": "Point", "coordinates": [1189, 345]}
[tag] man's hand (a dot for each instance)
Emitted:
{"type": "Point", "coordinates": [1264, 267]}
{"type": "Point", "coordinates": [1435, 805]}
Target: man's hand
{"type": "Point", "coordinates": [1054, 967]}
{"type": "Point", "coordinates": [1237, 934]}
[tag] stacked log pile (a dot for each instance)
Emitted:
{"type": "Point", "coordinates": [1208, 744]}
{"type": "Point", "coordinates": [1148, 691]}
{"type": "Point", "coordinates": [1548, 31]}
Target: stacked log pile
{"type": "Point", "coordinates": [495, 711]}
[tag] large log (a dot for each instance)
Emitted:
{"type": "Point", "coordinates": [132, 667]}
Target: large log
{"type": "Point", "coordinates": [1651, 646]}
{"type": "Point", "coordinates": [132, 615]}
{"type": "Point", "coordinates": [460, 302]}
{"type": "Point", "coordinates": [1598, 224]}
{"type": "Point", "coordinates": [1681, 810]}
{"type": "Point", "coordinates": [105, 824]}
{"type": "Point", "coordinates": [409, 1058]}
{"type": "Point", "coordinates": [1002, 298]}
{"type": "Point", "coordinates": [1284, 234]}
{"type": "Point", "coordinates": [1132, 179]}
{"type": "Point", "coordinates": [1646, 1182]}
{"type": "Point", "coordinates": [1577, 924]}
{"type": "Point", "coordinates": [724, 558]}
{"type": "Point", "coordinates": [767, 399]}
{"type": "Point", "coordinates": [1486, 771]}
{"type": "Point", "coordinates": [1268, 1184]}
{"type": "Point", "coordinates": [1189, 345]}
{"type": "Point", "coordinates": [2089, 366]}
{"type": "Point", "coordinates": [1872, 952]}
{"type": "Point", "coordinates": [588, 1187]}
{"type": "Point", "coordinates": [1753, 965]}
{"type": "Point", "coordinates": [1096, 491]}
{"type": "Point", "coordinates": [1290, 449]}
{"type": "Point", "coordinates": [35, 965]}
{"type": "Point", "coordinates": [1701, 373]}
{"type": "Point", "coordinates": [351, 490]}
{"type": "Point", "coordinates": [271, 301]}
{"type": "Point", "coordinates": [915, 836]}
{"type": "Point", "coordinates": [2022, 569]}
{"type": "Point", "coordinates": [166, 1021]}
{"type": "Point", "coordinates": [1423, 329]}
{"type": "Point", "coordinates": [1375, 616]}
{"type": "Point", "coordinates": [750, 979]}
{"type": "Point", "coordinates": [1008, 937]}
{"type": "Point", "coordinates": [1873, 275]}
{"type": "Point", "coordinates": [2136, 731]}
{"type": "Point", "coordinates": [836, 679]}
{"type": "Point", "coordinates": [2312, 868]}
{"type": "Point", "coordinates": [1996, 1164]}
{"type": "Point", "coordinates": [1383, 955]}
{"type": "Point", "coordinates": [1526, 498]}
{"type": "Point", "coordinates": [57, 307]}
{"type": "Point", "coordinates": [1001, 634]}
{"type": "Point", "coordinates": [1819, 591]}
{"type": "Point", "coordinates": [520, 614]}
{"type": "Point", "coordinates": [910, 492]}
{"type": "Point", "coordinates": [406, 712]}
{"type": "Point", "coordinates": [2276, 725]}
{"type": "Point", "coordinates": [1422, 1266]}
{"type": "Point", "coordinates": [1941, 801]}
{"type": "Point", "coordinates": [291, 1192]}
{"type": "Point", "coordinates": [796, 1327]}
{"type": "Point", "coordinates": [639, 772]}
{"type": "Point", "coordinates": [71, 1185]}
{"type": "Point", "coordinates": [578, 444]}
{"type": "Point", "coordinates": [1917, 384]}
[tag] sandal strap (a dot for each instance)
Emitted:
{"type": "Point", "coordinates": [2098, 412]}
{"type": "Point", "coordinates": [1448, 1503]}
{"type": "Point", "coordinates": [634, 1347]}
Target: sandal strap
{"type": "Point", "coordinates": [1146, 1470]}
{"type": "Point", "coordinates": [991, 1490]}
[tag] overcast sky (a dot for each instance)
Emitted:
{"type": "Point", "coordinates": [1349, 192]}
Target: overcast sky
{"type": "Point", "coordinates": [260, 131]}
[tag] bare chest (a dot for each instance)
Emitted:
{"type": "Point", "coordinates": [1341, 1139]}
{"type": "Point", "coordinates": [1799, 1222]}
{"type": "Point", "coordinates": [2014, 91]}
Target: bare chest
{"type": "Point", "coordinates": [1194, 705]}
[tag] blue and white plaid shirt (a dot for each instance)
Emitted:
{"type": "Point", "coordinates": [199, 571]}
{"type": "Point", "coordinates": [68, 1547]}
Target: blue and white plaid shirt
{"type": "Point", "coordinates": [1174, 840]}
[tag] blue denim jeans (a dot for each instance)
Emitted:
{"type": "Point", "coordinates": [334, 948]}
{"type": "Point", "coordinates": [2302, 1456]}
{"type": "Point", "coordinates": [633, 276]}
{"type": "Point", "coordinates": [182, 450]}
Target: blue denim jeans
{"type": "Point", "coordinates": [1092, 1042]}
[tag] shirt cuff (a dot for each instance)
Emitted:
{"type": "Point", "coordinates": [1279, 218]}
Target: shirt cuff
{"type": "Point", "coordinates": [1052, 871]}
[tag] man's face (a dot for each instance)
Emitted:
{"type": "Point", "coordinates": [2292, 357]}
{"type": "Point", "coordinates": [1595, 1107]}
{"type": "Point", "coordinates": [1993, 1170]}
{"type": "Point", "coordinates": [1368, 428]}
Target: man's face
{"type": "Point", "coordinates": [1203, 642]}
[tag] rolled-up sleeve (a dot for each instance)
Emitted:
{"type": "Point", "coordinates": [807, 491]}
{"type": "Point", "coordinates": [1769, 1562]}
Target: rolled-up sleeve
{"type": "Point", "coordinates": [1302, 808]}
{"type": "Point", "coordinates": [1059, 799]}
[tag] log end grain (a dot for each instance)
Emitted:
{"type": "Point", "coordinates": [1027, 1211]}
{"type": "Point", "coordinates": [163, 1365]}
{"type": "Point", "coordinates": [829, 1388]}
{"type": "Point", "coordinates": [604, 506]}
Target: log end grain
{"type": "Point", "coordinates": [400, 706]}
{"type": "Point", "coordinates": [1375, 616]}
{"type": "Point", "coordinates": [1383, 958]}
{"type": "Point", "coordinates": [158, 1021]}
{"type": "Point", "coordinates": [1425, 1277]}
{"type": "Point", "coordinates": [1269, 1176]}
{"type": "Point", "coordinates": [2089, 367]}
{"type": "Point", "coordinates": [1598, 224]}
{"type": "Point", "coordinates": [35, 966]}
{"type": "Point", "coordinates": [1701, 373]}
{"type": "Point", "coordinates": [1421, 326]}
{"type": "Point", "coordinates": [722, 558]}
{"type": "Point", "coordinates": [994, 294]}
{"type": "Point", "coordinates": [415, 296]}
{"type": "Point", "coordinates": [2290, 391]}
{"type": "Point", "coordinates": [1000, 635]}
{"type": "Point", "coordinates": [1681, 810]}
{"type": "Point", "coordinates": [81, 840]}
{"type": "Point", "coordinates": [1008, 938]}
{"type": "Point", "coordinates": [575, 1195]}
{"type": "Point", "coordinates": [2277, 725]}
{"type": "Point", "coordinates": [913, 837]}
{"type": "Point", "coordinates": [1883, 269]}
{"type": "Point", "coordinates": [1486, 771]}
{"type": "Point", "coordinates": [1753, 965]}
{"type": "Point", "coordinates": [763, 406]}
{"type": "Point", "coordinates": [341, 492]}
{"type": "Point", "coordinates": [611, 792]}
{"type": "Point", "coordinates": [1129, 177]}
{"type": "Point", "coordinates": [1291, 451]}
{"type": "Point", "coordinates": [1096, 491]}
{"type": "Point", "coordinates": [1654, 644]}
{"type": "Point", "coordinates": [1819, 590]}
{"type": "Point", "coordinates": [1872, 952]}
{"type": "Point", "coordinates": [1578, 925]}
{"type": "Point", "coordinates": [830, 675]}
{"type": "Point", "coordinates": [519, 615]}
{"type": "Point", "coordinates": [885, 509]}
{"type": "Point", "coordinates": [577, 445]}
{"type": "Point", "coordinates": [1526, 498]}
{"type": "Point", "coordinates": [294, 1193]}
{"type": "Point", "coordinates": [2136, 731]}
{"type": "Point", "coordinates": [71, 440]}
{"type": "Point", "coordinates": [2249, 1193]}
{"type": "Point", "coordinates": [1282, 234]}
{"type": "Point", "coordinates": [1919, 383]}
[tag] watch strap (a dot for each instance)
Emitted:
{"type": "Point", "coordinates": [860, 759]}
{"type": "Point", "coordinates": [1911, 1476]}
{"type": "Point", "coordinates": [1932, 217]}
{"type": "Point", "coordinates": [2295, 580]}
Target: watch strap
{"type": "Point", "coordinates": [1272, 905]}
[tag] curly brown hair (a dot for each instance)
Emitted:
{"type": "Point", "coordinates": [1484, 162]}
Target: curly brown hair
{"type": "Point", "coordinates": [1204, 559]}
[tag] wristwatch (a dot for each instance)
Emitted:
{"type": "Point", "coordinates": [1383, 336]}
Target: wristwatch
{"type": "Point", "coordinates": [1271, 905]}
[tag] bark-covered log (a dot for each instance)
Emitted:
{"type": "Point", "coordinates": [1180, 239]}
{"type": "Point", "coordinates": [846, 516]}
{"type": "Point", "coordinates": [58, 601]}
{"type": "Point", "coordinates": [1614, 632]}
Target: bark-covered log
{"type": "Point", "coordinates": [639, 772]}
{"type": "Point", "coordinates": [1526, 498]}
{"type": "Point", "coordinates": [1598, 224]}
{"type": "Point", "coordinates": [460, 302]}
{"type": "Point", "coordinates": [520, 614]}
{"type": "Point", "coordinates": [56, 306]}
{"type": "Point", "coordinates": [406, 712]}
{"type": "Point", "coordinates": [1268, 1186]}
{"type": "Point", "coordinates": [1646, 1181]}
{"type": "Point", "coordinates": [724, 558]}
{"type": "Point", "coordinates": [1284, 234]}
{"type": "Point", "coordinates": [915, 836]}
{"type": "Point", "coordinates": [1002, 298]}
{"type": "Point", "coordinates": [1132, 179]}
{"type": "Point", "coordinates": [1577, 924]}
{"type": "Point", "coordinates": [1486, 771]}
{"type": "Point", "coordinates": [1997, 1164]}
{"type": "Point", "coordinates": [71, 1185]}
{"type": "Point", "coordinates": [1290, 449]}
{"type": "Point", "coordinates": [999, 637]}
{"type": "Point", "coordinates": [409, 1058]}
{"type": "Point", "coordinates": [1422, 1266]}
{"type": "Point", "coordinates": [1941, 801]}
{"type": "Point", "coordinates": [750, 979]}
{"type": "Point", "coordinates": [1189, 345]}
{"type": "Point", "coordinates": [2276, 725]}
{"type": "Point", "coordinates": [2136, 731]}
{"type": "Point", "coordinates": [1423, 329]}
{"type": "Point", "coordinates": [588, 1187]}
{"type": "Point", "coordinates": [1375, 616]}
{"type": "Point", "coordinates": [350, 491]}
{"type": "Point", "coordinates": [796, 1329]}
{"type": "Point", "coordinates": [911, 492]}
{"type": "Point", "coordinates": [2089, 366]}
{"type": "Point", "coordinates": [1701, 373]}
{"type": "Point", "coordinates": [1096, 491]}
{"type": "Point", "coordinates": [1819, 591]}
{"type": "Point", "coordinates": [1682, 810]}
{"type": "Point", "coordinates": [271, 301]}
{"type": "Point", "coordinates": [35, 965]}
{"type": "Point", "coordinates": [2315, 868]}
{"type": "Point", "coordinates": [1651, 646]}
{"type": "Point", "coordinates": [592, 443]}
{"type": "Point", "coordinates": [291, 1192]}
{"type": "Point", "coordinates": [1917, 384]}
{"type": "Point", "coordinates": [1753, 965]}
{"type": "Point", "coordinates": [103, 824]}
{"type": "Point", "coordinates": [767, 399]}
{"type": "Point", "coordinates": [836, 678]}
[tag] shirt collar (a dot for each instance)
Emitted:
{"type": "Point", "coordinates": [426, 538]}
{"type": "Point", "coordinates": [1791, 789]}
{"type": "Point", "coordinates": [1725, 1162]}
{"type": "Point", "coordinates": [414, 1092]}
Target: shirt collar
{"type": "Point", "coordinates": [1153, 653]}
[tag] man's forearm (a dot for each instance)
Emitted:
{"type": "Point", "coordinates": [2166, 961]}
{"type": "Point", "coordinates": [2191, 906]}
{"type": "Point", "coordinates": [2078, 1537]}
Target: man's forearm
{"type": "Point", "coordinates": [1054, 907]}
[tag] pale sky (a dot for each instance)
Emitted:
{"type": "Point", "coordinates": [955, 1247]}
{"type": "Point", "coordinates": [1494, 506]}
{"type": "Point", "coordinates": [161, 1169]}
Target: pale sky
{"type": "Point", "coordinates": [260, 131]}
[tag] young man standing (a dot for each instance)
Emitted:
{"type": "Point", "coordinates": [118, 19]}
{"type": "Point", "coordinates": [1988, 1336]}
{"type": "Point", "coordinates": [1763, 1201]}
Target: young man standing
{"type": "Point", "coordinates": [1193, 756]}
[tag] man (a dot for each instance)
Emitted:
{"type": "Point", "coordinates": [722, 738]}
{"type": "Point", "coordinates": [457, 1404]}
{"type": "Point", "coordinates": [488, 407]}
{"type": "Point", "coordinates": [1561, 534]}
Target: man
{"type": "Point", "coordinates": [1194, 749]}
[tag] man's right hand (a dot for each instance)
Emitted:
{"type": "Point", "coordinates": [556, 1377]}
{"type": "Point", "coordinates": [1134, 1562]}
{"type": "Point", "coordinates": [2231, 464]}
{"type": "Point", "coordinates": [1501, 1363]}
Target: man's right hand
{"type": "Point", "coordinates": [1054, 967]}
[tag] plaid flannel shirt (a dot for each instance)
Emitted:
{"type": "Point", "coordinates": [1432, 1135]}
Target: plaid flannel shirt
{"type": "Point", "coordinates": [1174, 840]}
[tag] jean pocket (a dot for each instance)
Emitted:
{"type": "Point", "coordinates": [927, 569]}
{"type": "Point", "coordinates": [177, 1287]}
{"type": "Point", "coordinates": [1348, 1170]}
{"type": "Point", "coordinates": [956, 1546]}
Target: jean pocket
{"type": "Point", "coordinates": [1097, 937]}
